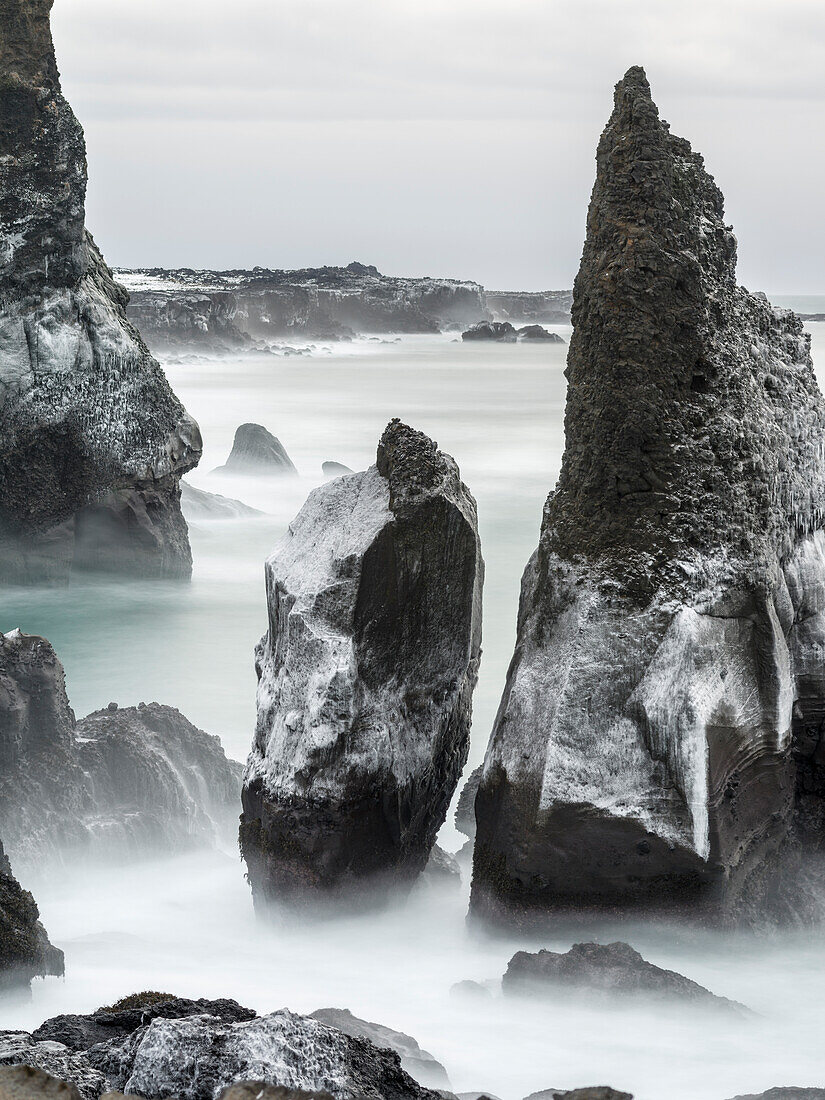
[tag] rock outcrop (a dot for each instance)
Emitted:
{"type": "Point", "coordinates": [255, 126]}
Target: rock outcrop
{"type": "Point", "coordinates": [25, 951]}
{"type": "Point", "coordinates": [657, 742]}
{"type": "Point", "coordinates": [420, 1064]}
{"type": "Point", "coordinates": [123, 780]}
{"type": "Point", "coordinates": [465, 811]}
{"type": "Point", "coordinates": [235, 310]}
{"type": "Point", "coordinates": [366, 676]}
{"type": "Point", "coordinates": [256, 451]}
{"type": "Point", "coordinates": [536, 332]}
{"type": "Point", "coordinates": [335, 469]}
{"type": "Point", "coordinates": [612, 969]}
{"type": "Point", "coordinates": [94, 441]}
{"type": "Point", "coordinates": [786, 1093]}
{"type": "Point", "coordinates": [501, 332]}
{"type": "Point", "coordinates": [197, 504]}
{"type": "Point", "coordinates": [51, 1060]}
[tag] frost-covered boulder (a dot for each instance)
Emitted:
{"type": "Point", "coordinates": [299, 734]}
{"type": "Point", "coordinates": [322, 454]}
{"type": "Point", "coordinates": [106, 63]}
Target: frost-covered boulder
{"type": "Point", "coordinates": [17, 1048]}
{"type": "Point", "coordinates": [94, 441]}
{"type": "Point", "coordinates": [256, 451]}
{"type": "Point", "coordinates": [121, 781]}
{"type": "Point", "coordinates": [195, 1058]}
{"type": "Point", "coordinates": [366, 675]}
{"type": "Point", "coordinates": [420, 1064]}
{"type": "Point", "coordinates": [657, 739]}
{"type": "Point", "coordinates": [25, 951]}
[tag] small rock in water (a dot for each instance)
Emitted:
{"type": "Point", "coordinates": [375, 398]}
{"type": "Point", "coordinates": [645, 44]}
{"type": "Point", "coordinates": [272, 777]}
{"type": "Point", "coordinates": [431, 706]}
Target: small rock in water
{"type": "Point", "coordinates": [469, 989]}
{"type": "Point", "coordinates": [257, 451]}
{"type": "Point", "coordinates": [500, 331]}
{"type": "Point", "coordinates": [613, 968]}
{"type": "Point", "coordinates": [538, 332]}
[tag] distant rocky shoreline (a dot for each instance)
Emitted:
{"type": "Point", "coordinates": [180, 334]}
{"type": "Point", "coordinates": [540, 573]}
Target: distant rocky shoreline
{"type": "Point", "coordinates": [226, 311]}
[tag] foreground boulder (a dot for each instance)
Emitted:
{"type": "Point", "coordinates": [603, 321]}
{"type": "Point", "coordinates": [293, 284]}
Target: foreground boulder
{"type": "Point", "coordinates": [500, 331]}
{"type": "Point", "coordinates": [615, 969]}
{"type": "Point", "coordinates": [122, 781]}
{"type": "Point", "coordinates": [25, 951]}
{"type": "Point", "coordinates": [49, 1060]}
{"type": "Point", "coordinates": [366, 676]}
{"type": "Point", "coordinates": [198, 1056]}
{"type": "Point", "coordinates": [94, 441]}
{"type": "Point", "coordinates": [26, 1083]}
{"type": "Point", "coordinates": [657, 740]}
{"type": "Point", "coordinates": [256, 451]}
{"type": "Point", "coordinates": [420, 1064]}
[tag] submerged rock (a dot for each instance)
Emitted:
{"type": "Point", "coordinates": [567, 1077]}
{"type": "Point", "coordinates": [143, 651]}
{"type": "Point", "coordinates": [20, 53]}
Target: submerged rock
{"type": "Point", "coordinates": [94, 441]}
{"type": "Point", "coordinates": [611, 968]}
{"type": "Point", "coordinates": [123, 780]}
{"type": "Point", "coordinates": [256, 451]}
{"type": "Point", "coordinates": [198, 504]}
{"type": "Point", "coordinates": [667, 667]}
{"type": "Point", "coordinates": [195, 1058]}
{"type": "Point", "coordinates": [25, 951]}
{"type": "Point", "coordinates": [366, 676]}
{"type": "Point", "coordinates": [501, 331]}
{"type": "Point", "coordinates": [420, 1064]}
{"type": "Point", "coordinates": [536, 332]}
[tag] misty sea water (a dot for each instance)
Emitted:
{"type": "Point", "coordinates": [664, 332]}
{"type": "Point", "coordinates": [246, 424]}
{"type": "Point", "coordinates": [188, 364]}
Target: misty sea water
{"type": "Point", "coordinates": [186, 924]}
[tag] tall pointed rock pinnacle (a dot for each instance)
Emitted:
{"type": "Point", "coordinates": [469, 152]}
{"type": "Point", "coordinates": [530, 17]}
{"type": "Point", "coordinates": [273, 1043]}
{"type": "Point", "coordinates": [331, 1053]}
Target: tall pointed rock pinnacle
{"type": "Point", "coordinates": [655, 742]}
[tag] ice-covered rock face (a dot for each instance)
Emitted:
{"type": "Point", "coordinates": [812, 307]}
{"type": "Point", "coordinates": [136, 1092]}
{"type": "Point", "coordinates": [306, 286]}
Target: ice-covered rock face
{"type": "Point", "coordinates": [123, 781]}
{"type": "Point", "coordinates": [94, 440]}
{"type": "Point", "coordinates": [195, 1058]}
{"type": "Point", "coordinates": [668, 664]}
{"type": "Point", "coordinates": [366, 675]}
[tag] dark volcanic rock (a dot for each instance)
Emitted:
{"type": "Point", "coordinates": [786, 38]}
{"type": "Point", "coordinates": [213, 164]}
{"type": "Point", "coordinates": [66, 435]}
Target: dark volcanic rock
{"type": "Point", "coordinates": [257, 451]}
{"type": "Point", "coordinates": [500, 331]}
{"type": "Point", "coordinates": [612, 968]}
{"type": "Point", "coordinates": [596, 1092]}
{"type": "Point", "coordinates": [647, 743]}
{"type": "Point", "coordinates": [25, 951]}
{"type": "Point", "coordinates": [123, 780]}
{"type": "Point", "coordinates": [366, 676]}
{"type": "Point", "coordinates": [228, 310]}
{"type": "Point", "coordinates": [121, 1019]}
{"type": "Point", "coordinates": [196, 1057]}
{"type": "Point", "coordinates": [420, 1064]}
{"type": "Point", "coordinates": [94, 441]}
{"type": "Point", "coordinates": [536, 332]}
{"type": "Point", "coordinates": [258, 1090]}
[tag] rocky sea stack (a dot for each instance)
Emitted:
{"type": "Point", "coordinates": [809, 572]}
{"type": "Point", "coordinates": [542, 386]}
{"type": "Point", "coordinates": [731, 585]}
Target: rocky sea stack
{"type": "Point", "coordinates": [94, 441]}
{"type": "Point", "coordinates": [366, 676]}
{"type": "Point", "coordinates": [25, 951]}
{"type": "Point", "coordinates": [657, 739]}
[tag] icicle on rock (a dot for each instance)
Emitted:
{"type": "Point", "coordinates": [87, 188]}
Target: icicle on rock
{"type": "Point", "coordinates": [366, 676]}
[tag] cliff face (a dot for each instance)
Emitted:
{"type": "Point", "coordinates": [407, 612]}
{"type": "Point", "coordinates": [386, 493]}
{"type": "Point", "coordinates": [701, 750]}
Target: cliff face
{"type": "Point", "coordinates": [664, 695]}
{"type": "Point", "coordinates": [366, 676]}
{"type": "Point", "coordinates": [123, 781]}
{"type": "Point", "coordinates": [236, 309]}
{"type": "Point", "coordinates": [94, 441]}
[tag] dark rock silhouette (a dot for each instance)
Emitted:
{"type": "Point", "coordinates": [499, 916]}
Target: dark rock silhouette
{"type": "Point", "coordinates": [665, 695]}
{"type": "Point", "coordinates": [500, 331]}
{"type": "Point", "coordinates": [257, 451]}
{"type": "Point", "coordinates": [536, 332]}
{"type": "Point", "coordinates": [465, 811]}
{"type": "Point", "coordinates": [365, 677]}
{"type": "Point", "coordinates": [94, 441]}
{"type": "Point", "coordinates": [25, 951]}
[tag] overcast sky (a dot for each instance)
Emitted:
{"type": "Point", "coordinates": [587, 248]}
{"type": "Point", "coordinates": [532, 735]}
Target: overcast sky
{"type": "Point", "coordinates": [449, 137]}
